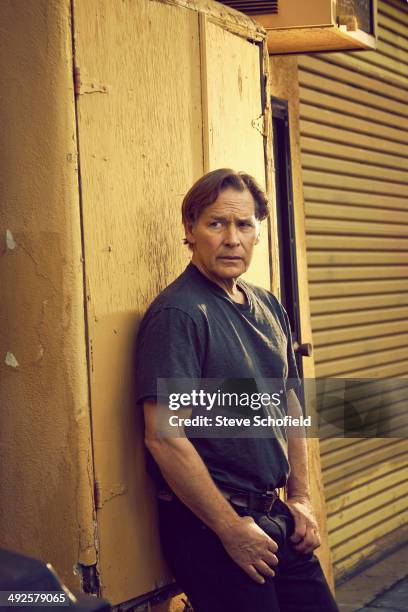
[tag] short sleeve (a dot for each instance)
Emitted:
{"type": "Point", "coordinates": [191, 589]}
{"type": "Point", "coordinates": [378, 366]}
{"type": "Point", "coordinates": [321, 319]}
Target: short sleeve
{"type": "Point", "coordinates": [293, 380]}
{"type": "Point", "coordinates": [168, 346]}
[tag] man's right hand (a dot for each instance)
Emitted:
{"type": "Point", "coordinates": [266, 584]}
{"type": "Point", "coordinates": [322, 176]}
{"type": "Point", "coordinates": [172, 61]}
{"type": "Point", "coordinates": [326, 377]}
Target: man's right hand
{"type": "Point", "coordinates": [251, 548]}
{"type": "Point", "coordinates": [186, 474]}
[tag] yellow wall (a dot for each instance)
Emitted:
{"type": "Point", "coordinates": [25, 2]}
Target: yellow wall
{"type": "Point", "coordinates": [46, 462]}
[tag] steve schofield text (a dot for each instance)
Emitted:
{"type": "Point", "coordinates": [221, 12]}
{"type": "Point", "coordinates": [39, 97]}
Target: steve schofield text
{"type": "Point", "coordinates": [218, 400]}
{"type": "Point", "coordinates": [224, 421]}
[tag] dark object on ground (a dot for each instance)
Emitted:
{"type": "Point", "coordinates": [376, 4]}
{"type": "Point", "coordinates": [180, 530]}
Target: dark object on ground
{"type": "Point", "coordinates": [21, 574]}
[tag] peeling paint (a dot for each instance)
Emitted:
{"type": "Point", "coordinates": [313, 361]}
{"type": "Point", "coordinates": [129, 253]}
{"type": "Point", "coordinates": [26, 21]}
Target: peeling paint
{"type": "Point", "coordinates": [81, 412]}
{"type": "Point", "coordinates": [10, 242]}
{"type": "Point", "coordinates": [11, 360]}
{"type": "Point", "coordinates": [40, 353]}
{"type": "Point", "coordinates": [103, 496]}
{"type": "Point", "coordinates": [259, 124]}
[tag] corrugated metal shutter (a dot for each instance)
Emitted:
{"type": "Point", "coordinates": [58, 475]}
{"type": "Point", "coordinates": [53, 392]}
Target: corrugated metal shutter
{"type": "Point", "coordinates": [354, 139]}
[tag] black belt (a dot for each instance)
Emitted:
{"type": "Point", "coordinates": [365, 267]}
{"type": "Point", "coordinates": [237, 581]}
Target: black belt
{"type": "Point", "coordinates": [258, 502]}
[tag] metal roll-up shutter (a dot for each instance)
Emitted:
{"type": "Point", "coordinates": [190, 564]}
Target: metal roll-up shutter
{"type": "Point", "coordinates": [354, 140]}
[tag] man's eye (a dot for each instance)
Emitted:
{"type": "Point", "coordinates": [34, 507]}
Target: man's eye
{"type": "Point", "coordinates": [215, 224]}
{"type": "Point", "coordinates": [245, 224]}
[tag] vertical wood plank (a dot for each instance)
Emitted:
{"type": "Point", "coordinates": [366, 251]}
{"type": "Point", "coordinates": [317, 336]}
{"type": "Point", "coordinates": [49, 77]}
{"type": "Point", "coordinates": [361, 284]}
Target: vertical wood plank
{"type": "Point", "coordinates": [46, 454]}
{"type": "Point", "coordinates": [231, 67]}
{"type": "Point", "coordinates": [139, 112]}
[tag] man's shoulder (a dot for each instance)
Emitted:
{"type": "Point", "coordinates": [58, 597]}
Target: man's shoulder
{"type": "Point", "coordinates": [184, 295]}
{"type": "Point", "coordinates": [265, 296]}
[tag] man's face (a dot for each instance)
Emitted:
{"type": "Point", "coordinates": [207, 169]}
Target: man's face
{"type": "Point", "coordinates": [224, 235]}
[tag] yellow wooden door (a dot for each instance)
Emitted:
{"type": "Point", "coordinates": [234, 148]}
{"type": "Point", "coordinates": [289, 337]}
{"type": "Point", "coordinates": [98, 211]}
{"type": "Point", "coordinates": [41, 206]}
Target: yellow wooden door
{"type": "Point", "coordinates": [139, 123]}
{"type": "Point", "coordinates": [141, 94]}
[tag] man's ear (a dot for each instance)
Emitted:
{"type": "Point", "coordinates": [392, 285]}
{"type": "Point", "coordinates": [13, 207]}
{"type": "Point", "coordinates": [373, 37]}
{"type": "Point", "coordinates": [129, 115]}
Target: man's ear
{"type": "Point", "coordinates": [189, 230]}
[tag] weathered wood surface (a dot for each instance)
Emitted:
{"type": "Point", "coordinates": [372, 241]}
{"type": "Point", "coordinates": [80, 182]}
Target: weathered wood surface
{"type": "Point", "coordinates": [140, 141]}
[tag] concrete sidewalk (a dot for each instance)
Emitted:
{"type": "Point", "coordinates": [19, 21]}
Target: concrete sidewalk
{"type": "Point", "coordinates": [382, 587]}
{"type": "Point", "coordinates": [395, 599]}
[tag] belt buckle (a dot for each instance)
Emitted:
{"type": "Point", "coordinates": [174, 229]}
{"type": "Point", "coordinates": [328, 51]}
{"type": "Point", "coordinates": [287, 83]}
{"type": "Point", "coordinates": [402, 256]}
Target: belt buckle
{"type": "Point", "coordinates": [268, 499]}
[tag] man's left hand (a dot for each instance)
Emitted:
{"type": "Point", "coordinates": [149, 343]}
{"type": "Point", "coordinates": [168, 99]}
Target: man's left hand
{"type": "Point", "coordinates": [305, 537]}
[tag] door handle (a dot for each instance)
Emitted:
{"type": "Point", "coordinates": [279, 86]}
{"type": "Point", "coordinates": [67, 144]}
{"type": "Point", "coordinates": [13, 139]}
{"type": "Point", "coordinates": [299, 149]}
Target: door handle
{"type": "Point", "coordinates": [305, 349]}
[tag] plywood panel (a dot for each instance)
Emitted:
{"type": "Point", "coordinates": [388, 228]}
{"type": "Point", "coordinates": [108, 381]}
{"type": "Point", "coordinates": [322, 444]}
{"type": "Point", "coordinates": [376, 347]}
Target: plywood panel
{"type": "Point", "coordinates": [46, 453]}
{"type": "Point", "coordinates": [45, 435]}
{"type": "Point", "coordinates": [140, 133]}
{"type": "Point", "coordinates": [234, 126]}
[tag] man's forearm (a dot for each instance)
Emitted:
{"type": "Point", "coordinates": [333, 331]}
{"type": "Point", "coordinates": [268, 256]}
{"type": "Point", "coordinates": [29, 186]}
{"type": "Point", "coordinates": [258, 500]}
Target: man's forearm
{"type": "Point", "coordinates": [188, 477]}
{"type": "Point", "coordinates": [298, 481]}
{"type": "Point", "coordinates": [181, 465]}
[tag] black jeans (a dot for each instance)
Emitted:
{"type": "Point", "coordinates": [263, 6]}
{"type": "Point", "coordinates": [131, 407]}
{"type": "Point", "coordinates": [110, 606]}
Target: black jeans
{"type": "Point", "coordinates": [213, 582]}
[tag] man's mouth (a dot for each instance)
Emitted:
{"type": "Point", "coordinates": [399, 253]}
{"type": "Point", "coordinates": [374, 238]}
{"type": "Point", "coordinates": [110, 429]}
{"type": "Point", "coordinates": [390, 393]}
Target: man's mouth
{"type": "Point", "coordinates": [230, 257]}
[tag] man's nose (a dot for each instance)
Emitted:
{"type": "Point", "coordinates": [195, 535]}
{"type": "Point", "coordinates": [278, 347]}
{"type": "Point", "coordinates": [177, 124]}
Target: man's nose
{"type": "Point", "coordinates": [231, 235]}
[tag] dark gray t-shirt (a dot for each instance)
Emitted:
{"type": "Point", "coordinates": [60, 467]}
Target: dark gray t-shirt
{"type": "Point", "coordinates": [194, 330]}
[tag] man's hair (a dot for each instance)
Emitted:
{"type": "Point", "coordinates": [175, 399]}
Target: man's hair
{"type": "Point", "coordinates": [207, 189]}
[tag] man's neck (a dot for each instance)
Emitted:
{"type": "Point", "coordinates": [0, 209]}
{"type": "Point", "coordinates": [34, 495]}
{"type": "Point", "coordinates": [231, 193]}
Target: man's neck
{"type": "Point", "coordinates": [229, 285]}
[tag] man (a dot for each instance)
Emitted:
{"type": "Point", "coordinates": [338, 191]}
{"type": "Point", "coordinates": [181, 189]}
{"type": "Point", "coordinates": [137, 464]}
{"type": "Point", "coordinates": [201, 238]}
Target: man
{"type": "Point", "coordinates": [230, 542]}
